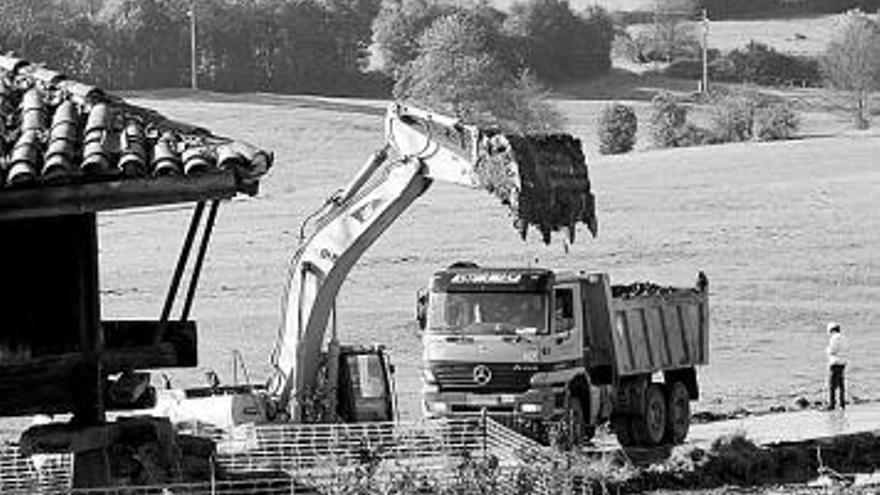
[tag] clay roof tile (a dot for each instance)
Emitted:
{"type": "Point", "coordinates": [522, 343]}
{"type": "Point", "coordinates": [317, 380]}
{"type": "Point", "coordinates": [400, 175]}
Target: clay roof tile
{"type": "Point", "coordinates": [54, 130]}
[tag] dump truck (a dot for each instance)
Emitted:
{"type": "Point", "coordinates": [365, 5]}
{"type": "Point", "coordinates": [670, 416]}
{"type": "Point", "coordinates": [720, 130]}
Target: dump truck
{"type": "Point", "coordinates": [553, 347]}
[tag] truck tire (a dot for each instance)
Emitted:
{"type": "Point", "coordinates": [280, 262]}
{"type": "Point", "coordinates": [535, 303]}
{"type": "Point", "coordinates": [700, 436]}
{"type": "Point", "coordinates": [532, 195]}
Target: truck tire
{"type": "Point", "coordinates": [622, 426]}
{"type": "Point", "coordinates": [580, 431]}
{"type": "Point", "coordinates": [649, 427]}
{"type": "Point", "coordinates": [678, 414]}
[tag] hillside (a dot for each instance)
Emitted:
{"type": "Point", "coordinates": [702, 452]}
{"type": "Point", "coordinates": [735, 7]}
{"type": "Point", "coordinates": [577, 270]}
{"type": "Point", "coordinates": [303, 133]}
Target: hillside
{"type": "Point", "coordinates": [798, 35]}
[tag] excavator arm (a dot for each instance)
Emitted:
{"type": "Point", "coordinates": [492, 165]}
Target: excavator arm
{"type": "Point", "coordinates": [425, 147]}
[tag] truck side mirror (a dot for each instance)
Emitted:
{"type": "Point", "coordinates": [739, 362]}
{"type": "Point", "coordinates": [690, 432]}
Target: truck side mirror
{"type": "Point", "coordinates": [422, 308]}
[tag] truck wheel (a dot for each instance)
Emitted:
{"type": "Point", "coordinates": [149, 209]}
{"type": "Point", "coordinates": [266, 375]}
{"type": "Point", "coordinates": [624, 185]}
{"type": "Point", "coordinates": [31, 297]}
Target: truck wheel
{"type": "Point", "coordinates": [580, 430]}
{"type": "Point", "coordinates": [622, 427]}
{"type": "Point", "coordinates": [650, 426]}
{"type": "Point", "coordinates": [678, 414]}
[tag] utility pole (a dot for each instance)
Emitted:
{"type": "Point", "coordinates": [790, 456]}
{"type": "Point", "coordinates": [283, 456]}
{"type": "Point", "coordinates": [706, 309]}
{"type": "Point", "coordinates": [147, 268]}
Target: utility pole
{"type": "Point", "coordinates": [193, 75]}
{"type": "Point", "coordinates": [656, 29]}
{"type": "Point", "coordinates": [705, 86]}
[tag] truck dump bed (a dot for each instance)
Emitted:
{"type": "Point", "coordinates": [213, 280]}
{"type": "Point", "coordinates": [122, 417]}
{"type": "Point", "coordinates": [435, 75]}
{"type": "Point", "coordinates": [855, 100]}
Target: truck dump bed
{"type": "Point", "coordinates": [644, 328]}
{"type": "Point", "coordinates": [660, 331]}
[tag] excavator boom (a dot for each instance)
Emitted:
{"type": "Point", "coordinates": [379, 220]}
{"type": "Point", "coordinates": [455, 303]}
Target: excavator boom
{"type": "Point", "coordinates": [543, 180]}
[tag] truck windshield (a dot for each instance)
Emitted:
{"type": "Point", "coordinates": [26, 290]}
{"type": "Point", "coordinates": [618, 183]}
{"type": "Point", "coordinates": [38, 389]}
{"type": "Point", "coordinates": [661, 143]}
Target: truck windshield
{"type": "Point", "coordinates": [486, 313]}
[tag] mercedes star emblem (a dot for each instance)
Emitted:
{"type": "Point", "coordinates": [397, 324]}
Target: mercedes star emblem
{"type": "Point", "coordinates": [482, 374]}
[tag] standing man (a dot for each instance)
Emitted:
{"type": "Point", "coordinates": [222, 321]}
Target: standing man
{"type": "Point", "coordinates": [836, 352]}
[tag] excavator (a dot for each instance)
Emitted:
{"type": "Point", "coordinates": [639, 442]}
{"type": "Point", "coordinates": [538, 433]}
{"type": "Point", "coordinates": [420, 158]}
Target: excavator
{"type": "Point", "coordinates": [543, 181]}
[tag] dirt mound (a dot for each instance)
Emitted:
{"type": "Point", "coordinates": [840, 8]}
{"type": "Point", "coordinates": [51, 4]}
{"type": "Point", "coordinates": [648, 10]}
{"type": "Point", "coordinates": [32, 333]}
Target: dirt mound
{"type": "Point", "coordinates": [736, 460]}
{"type": "Point", "coordinates": [543, 180]}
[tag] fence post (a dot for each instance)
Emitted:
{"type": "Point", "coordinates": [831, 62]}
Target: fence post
{"type": "Point", "coordinates": [212, 463]}
{"type": "Point", "coordinates": [485, 435]}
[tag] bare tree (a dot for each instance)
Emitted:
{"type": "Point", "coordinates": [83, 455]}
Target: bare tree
{"type": "Point", "coordinates": [852, 62]}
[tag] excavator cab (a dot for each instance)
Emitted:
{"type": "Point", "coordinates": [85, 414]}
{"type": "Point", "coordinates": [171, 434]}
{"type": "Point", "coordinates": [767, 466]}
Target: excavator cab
{"type": "Point", "coordinates": [365, 390]}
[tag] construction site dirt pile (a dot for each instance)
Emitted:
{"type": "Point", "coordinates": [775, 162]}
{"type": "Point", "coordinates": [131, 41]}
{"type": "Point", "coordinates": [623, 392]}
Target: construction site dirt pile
{"type": "Point", "coordinates": [544, 181]}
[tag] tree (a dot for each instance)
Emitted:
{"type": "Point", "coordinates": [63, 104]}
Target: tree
{"type": "Point", "coordinates": [21, 21]}
{"type": "Point", "coordinates": [456, 71]}
{"type": "Point", "coordinates": [228, 44]}
{"type": "Point", "coordinates": [556, 43]}
{"type": "Point", "coordinates": [672, 35]}
{"type": "Point", "coordinates": [852, 62]}
{"type": "Point", "coordinates": [397, 29]}
{"type": "Point", "coordinates": [50, 32]}
{"type": "Point", "coordinates": [147, 40]}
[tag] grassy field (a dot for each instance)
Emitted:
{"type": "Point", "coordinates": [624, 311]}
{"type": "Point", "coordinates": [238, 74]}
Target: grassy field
{"type": "Point", "coordinates": [786, 232]}
{"type": "Point", "coordinates": [801, 36]}
{"type": "Point", "coordinates": [808, 35]}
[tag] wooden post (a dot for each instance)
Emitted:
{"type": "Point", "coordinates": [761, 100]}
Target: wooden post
{"type": "Point", "coordinates": [91, 468]}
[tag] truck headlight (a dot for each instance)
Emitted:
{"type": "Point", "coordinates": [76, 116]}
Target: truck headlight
{"type": "Point", "coordinates": [530, 408]}
{"type": "Point", "coordinates": [437, 407]}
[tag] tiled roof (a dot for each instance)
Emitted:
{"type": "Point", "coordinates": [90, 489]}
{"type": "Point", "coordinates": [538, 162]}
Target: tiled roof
{"type": "Point", "coordinates": [55, 131]}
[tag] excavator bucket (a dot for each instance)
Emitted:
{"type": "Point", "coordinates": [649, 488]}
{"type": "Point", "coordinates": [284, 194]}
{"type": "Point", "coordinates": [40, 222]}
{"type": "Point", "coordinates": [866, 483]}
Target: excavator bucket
{"type": "Point", "coordinates": [543, 179]}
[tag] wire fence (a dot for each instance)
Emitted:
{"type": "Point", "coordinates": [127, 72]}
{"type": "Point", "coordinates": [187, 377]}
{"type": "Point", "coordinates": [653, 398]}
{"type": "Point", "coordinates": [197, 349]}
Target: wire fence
{"type": "Point", "coordinates": [40, 473]}
{"type": "Point", "coordinates": [462, 456]}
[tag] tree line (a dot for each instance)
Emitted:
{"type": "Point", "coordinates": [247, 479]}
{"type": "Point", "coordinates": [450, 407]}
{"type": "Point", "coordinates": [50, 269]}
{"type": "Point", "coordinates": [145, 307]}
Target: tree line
{"type": "Point", "coordinates": [296, 46]}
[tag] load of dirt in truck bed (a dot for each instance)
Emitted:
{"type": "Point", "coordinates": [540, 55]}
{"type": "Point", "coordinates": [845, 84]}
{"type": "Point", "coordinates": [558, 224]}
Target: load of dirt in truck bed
{"type": "Point", "coordinates": [543, 180]}
{"type": "Point", "coordinates": [639, 289]}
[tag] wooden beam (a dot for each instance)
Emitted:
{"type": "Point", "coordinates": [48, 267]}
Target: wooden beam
{"type": "Point", "coordinates": [46, 385]}
{"type": "Point", "coordinates": [77, 198]}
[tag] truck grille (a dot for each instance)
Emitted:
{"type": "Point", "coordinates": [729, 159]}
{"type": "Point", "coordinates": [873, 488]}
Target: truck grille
{"type": "Point", "coordinates": [503, 377]}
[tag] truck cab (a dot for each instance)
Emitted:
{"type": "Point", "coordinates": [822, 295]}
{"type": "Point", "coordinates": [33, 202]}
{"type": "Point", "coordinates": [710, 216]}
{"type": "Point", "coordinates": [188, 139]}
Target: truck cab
{"type": "Point", "coordinates": [507, 341]}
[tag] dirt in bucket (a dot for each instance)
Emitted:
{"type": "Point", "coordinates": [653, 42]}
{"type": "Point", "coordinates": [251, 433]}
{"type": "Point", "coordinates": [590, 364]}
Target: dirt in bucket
{"type": "Point", "coordinates": [543, 180]}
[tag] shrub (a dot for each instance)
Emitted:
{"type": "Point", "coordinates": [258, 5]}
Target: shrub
{"type": "Point", "coordinates": [776, 122]}
{"type": "Point", "coordinates": [617, 129]}
{"type": "Point", "coordinates": [685, 68]}
{"type": "Point", "coordinates": [758, 63]}
{"type": "Point", "coordinates": [693, 135]}
{"type": "Point", "coordinates": [733, 118]}
{"type": "Point", "coordinates": [667, 119]}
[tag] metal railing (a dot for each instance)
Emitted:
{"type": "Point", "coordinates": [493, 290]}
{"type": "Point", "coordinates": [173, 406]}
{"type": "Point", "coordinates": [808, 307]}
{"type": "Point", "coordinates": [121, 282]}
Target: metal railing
{"type": "Point", "coordinates": [465, 455]}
